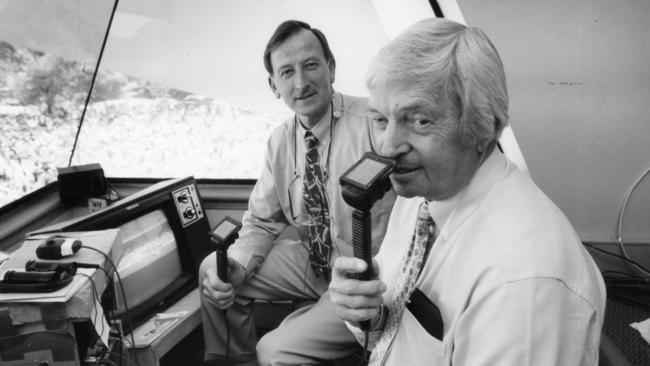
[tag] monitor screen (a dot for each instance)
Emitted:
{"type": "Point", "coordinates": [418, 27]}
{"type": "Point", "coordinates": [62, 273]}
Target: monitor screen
{"type": "Point", "coordinates": [150, 259]}
{"type": "Point", "coordinates": [143, 239]}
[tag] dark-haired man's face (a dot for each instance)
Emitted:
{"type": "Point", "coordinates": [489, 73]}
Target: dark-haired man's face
{"type": "Point", "coordinates": [302, 76]}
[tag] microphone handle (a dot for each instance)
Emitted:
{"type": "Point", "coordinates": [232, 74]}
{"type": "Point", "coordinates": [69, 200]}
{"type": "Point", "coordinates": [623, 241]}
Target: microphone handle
{"type": "Point", "coordinates": [362, 247]}
{"type": "Point", "coordinates": [37, 266]}
{"type": "Point", "coordinates": [222, 262]}
{"type": "Point", "coordinates": [34, 277]}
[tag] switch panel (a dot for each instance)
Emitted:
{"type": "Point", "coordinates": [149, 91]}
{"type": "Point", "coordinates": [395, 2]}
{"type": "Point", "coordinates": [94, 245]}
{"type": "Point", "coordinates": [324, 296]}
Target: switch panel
{"type": "Point", "coordinates": [187, 203]}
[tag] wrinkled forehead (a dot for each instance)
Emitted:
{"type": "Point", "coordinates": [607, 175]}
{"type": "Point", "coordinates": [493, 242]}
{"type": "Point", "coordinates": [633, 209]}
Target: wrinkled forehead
{"type": "Point", "coordinates": [398, 98]}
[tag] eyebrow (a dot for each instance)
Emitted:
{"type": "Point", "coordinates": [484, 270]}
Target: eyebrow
{"type": "Point", "coordinates": [372, 110]}
{"type": "Point", "coordinates": [291, 64]}
{"type": "Point", "coordinates": [419, 103]}
{"type": "Point", "coordinates": [314, 58]}
{"type": "Point", "coordinates": [407, 109]}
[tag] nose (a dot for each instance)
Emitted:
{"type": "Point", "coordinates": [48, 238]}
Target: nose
{"type": "Point", "coordinates": [393, 140]}
{"type": "Point", "coordinates": [300, 80]}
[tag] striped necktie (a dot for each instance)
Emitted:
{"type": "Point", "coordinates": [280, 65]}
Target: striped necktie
{"type": "Point", "coordinates": [411, 266]}
{"type": "Point", "coordinates": [317, 206]}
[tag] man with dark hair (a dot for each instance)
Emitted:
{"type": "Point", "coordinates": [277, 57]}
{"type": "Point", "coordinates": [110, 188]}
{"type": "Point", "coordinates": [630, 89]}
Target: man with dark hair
{"type": "Point", "coordinates": [286, 30]}
{"type": "Point", "coordinates": [478, 266]}
{"type": "Point", "coordinates": [298, 187]}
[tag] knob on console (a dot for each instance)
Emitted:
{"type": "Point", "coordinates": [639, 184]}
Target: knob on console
{"type": "Point", "coordinates": [189, 213]}
{"type": "Point", "coordinates": [183, 198]}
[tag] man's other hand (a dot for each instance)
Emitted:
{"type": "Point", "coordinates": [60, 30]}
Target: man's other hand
{"type": "Point", "coordinates": [355, 300]}
{"type": "Point", "coordinates": [217, 292]}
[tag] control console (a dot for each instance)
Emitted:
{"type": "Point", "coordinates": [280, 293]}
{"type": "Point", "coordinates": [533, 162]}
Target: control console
{"type": "Point", "coordinates": [188, 205]}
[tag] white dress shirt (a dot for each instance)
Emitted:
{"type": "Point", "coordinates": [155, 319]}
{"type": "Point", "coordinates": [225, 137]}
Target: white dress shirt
{"type": "Point", "coordinates": [511, 278]}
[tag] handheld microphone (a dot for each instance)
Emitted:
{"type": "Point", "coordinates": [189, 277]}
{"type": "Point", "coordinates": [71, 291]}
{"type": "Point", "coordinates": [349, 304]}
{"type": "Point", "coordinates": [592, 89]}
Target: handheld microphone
{"type": "Point", "coordinates": [37, 266]}
{"type": "Point", "coordinates": [222, 236]}
{"type": "Point", "coordinates": [57, 248]}
{"type": "Point", "coordinates": [363, 184]}
{"type": "Point", "coordinates": [48, 281]}
{"type": "Point", "coordinates": [34, 277]}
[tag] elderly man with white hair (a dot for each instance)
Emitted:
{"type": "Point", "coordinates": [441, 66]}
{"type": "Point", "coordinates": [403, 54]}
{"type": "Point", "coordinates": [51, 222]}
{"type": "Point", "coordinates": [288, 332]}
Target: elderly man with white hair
{"type": "Point", "coordinates": [478, 266]}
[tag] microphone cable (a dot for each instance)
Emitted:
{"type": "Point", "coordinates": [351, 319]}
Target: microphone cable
{"type": "Point", "coordinates": [119, 280]}
{"type": "Point", "coordinates": [101, 360]}
{"type": "Point", "coordinates": [95, 297]}
{"type": "Point", "coordinates": [225, 319]}
{"type": "Point", "coordinates": [364, 352]}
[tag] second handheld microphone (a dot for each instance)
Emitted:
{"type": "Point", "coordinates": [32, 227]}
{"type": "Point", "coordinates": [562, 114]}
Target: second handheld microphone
{"type": "Point", "coordinates": [222, 236]}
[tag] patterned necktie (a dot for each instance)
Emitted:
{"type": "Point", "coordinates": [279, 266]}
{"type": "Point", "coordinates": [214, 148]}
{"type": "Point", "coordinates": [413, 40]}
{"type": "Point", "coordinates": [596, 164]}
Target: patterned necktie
{"type": "Point", "coordinates": [317, 206]}
{"type": "Point", "coordinates": [411, 267]}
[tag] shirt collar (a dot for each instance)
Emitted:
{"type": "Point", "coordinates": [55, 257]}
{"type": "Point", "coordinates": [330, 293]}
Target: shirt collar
{"type": "Point", "coordinates": [441, 210]}
{"type": "Point", "coordinates": [450, 213]}
{"type": "Point", "coordinates": [322, 128]}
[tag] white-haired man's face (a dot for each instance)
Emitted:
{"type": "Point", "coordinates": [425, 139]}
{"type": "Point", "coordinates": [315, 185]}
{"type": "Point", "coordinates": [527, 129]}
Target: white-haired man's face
{"type": "Point", "coordinates": [422, 135]}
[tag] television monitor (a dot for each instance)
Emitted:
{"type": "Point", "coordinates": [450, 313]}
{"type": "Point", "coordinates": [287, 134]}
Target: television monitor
{"type": "Point", "coordinates": [165, 235]}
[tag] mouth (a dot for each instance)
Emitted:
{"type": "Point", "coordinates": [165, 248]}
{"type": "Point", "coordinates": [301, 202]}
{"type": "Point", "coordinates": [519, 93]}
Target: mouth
{"type": "Point", "coordinates": [404, 169]}
{"type": "Point", "coordinates": [305, 96]}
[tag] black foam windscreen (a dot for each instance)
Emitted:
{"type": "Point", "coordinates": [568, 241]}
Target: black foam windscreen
{"type": "Point", "coordinates": [57, 248]}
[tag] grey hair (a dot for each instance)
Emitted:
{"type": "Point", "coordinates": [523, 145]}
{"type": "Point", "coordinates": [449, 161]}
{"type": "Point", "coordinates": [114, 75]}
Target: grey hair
{"type": "Point", "coordinates": [456, 65]}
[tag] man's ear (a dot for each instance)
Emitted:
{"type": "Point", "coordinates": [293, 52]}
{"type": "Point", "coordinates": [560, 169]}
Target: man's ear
{"type": "Point", "coordinates": [479, 147]}
{"type": "Point", "coordinates": [332, 66]}
{"type": "Point", "coordinates": [486, 146]}
{"type": "Point", "coordinates": [273, 88]}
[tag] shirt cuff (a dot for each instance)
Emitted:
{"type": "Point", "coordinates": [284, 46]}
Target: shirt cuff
{"type": "Point", "coordinates": [243, 259]}
{"type": "Point", "coordinates": [374, 333]}
{"type": "Point", "coordinates": [380, 320]}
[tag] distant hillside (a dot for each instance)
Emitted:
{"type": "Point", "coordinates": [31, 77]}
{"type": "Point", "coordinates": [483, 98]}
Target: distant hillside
{"type": "Point", "coordinates": [132, 128]}
{"type": "Point", "coordinates": [13, 61]}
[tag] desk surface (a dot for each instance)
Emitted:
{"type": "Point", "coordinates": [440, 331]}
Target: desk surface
{"type": "Point", "coordinates": [78, 300]}
{"type": "Point", "coordinates": [41, 324]}
{"type": "Point", "coordinates": [151, 354]}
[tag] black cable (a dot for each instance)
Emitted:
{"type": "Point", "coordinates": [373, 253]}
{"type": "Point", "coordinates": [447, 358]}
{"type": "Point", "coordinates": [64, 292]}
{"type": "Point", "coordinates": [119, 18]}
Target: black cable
{"type": "Point", "coordinates": [119, 280]}
{"type": "Point", "coordinates": [623, 276]}
{"type": "Point", "coordinates": [619, 223]}
{"type": "Point", "coordinates": [364, 352]}
{"type": "Point", "coordinates": [92, 82]}
{"type": "Point", "coordinates": [120, 357]}
{"type": "Point", "coordinates": [112, 190]}
{"type": "Point", "coordinates": [436, 9]}
{"type": "Point", "coordinates": [96, 297]}
{"type": "Point", "coordinates": [109, 318]}
{"type": "Point", "coordinates": [626, 259]}
{"type": "Point", "coordinates": [625, 287]}
{"type": "Point", "coordinates": [225, 318]}
{"type": "Point", "coordinates": [119, 340]}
